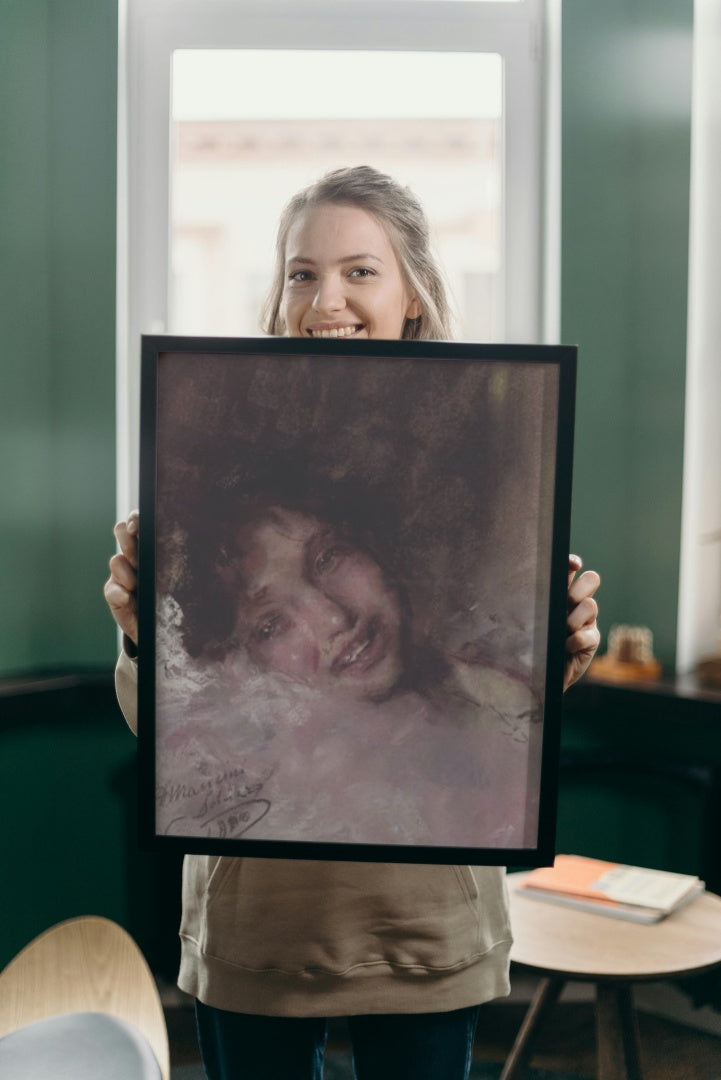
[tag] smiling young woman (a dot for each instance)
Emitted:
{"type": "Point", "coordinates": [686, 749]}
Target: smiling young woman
{"type": "Point", "coordinates": [271, 948]}
{"type": "Point", "coordinates": [358, 241]}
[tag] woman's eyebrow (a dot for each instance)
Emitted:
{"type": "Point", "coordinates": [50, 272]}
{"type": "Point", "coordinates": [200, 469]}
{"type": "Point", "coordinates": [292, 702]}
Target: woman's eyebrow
{"type": "Point", "coordinates": [258, 596]}
{"type": "Point", "coordinates": [360, 257]}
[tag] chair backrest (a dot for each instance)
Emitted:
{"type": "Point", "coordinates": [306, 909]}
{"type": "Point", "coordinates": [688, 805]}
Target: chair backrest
{"type": "Point", "coordinates": [87, 964]}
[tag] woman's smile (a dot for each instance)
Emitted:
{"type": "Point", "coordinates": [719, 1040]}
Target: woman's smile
{"type": "Point", "coordinates": [363, 652]}
{"type": "Point", "coordinates": [335, 331]}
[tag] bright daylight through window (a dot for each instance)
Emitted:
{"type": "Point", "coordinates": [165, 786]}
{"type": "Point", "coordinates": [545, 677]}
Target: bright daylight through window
{"type": "Point", "coordinates": [237, 157]}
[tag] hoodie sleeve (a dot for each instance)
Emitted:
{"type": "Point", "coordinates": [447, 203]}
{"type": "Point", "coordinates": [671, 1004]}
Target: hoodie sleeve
{"type": "Point", "coordinates": [126, 688]}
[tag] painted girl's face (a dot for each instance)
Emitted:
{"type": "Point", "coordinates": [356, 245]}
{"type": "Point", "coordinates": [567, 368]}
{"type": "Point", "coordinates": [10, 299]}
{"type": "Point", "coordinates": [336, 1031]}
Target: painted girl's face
{"type": "Point", "coordinates": [318, 609]}
{"type": "Point", "coordinates": [342, 277]}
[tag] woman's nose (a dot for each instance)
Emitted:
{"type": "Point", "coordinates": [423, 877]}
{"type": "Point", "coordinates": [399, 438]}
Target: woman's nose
{"type": "Point", "coordinates": [329, 297]}
{"type": "Point", "coordinates": [326, 616]}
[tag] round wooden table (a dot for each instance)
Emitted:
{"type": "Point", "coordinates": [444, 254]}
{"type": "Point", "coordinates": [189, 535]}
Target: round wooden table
{"type": "Point", "coordinates": [562, 944]}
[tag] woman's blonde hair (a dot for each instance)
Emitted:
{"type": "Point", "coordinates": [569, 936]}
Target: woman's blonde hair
{"type": "Point", "coordinates": [403, 217]}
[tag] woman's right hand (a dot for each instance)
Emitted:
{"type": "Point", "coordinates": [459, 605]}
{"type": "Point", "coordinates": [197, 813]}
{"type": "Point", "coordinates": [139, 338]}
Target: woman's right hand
{"type": "Point", "coordinates": [121, 587]}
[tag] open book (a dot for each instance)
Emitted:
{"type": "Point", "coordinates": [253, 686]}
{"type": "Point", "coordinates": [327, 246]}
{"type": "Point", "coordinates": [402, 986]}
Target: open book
{"type": "Point", "coordinates": [608, 888]}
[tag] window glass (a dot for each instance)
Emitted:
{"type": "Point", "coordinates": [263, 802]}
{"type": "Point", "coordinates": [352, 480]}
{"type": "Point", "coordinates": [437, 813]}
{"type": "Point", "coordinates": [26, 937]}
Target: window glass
{"type": "Point", "coordinates": [238, 154]}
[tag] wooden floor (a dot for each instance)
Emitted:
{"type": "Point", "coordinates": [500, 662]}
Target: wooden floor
{"type": "Point", "coordinates": [669, 1051]}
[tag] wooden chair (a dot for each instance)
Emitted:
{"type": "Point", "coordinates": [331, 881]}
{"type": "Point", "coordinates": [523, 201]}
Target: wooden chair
{"type": "Point", "coordinates": [89, 971]}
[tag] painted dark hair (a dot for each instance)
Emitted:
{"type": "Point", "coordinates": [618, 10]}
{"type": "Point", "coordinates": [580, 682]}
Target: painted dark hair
{"type": "Point", "coordinates": [209, 591]}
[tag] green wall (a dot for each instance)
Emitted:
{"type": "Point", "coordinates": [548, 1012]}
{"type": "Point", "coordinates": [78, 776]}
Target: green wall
{"type": "Point", "coordinates": [67, 774]}
{"type": "Point", "coordinates": [58, 72]}
{"type": "Point", "coordinates": [626, 146]}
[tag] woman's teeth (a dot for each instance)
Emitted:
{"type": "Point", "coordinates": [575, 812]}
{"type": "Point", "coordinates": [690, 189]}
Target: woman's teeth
{"type": "Point", "coordinates": [337, 331]}
{"type": "Point", "coordinates": [347, 659]}
{"type": "Point", "coordinates": [351, 657]}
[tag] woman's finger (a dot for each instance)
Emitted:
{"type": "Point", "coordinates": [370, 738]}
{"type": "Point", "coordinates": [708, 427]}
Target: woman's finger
{"type": "Point", "coordinates": [123, 607]}
{"type": "Point", "coordinates": [584, 586]}
{"type": "Point", "coordinates": [582, 614]}
{"type": "Point", "coordinates": [126, 534]}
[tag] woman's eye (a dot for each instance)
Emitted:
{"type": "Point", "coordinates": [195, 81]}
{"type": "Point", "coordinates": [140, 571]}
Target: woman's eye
{"type": "Point", "coordinates": [268, 628]}
{"type": "Point", "coordinates": [300, 276]}
{"type": "Point", "coordinates": [327, 560]}
{"type": "Point", "coordinates": [362, 272]}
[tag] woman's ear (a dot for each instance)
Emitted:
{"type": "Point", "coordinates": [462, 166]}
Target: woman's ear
{"type": "Point", "coordinates": [415, 309]}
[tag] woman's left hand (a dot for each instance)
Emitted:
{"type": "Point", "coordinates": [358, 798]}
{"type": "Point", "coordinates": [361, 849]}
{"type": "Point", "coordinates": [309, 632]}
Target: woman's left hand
{"type": "Point", "coordinates": [583, 636]}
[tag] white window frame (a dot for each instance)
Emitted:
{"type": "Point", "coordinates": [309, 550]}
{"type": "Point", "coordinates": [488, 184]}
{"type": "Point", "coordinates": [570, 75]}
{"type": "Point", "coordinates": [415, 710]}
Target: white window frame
{"type": "Point", "coordinates": [526, 34]}
{"type": "Point", "coordinates": [699, 597]}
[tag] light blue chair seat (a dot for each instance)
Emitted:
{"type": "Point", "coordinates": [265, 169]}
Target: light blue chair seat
{"type": "Point", "coordinates": [78, 1046]}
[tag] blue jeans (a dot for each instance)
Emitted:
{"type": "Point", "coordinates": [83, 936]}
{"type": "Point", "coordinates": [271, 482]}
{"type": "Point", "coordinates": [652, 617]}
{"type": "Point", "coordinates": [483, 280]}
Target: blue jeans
{"type": "Point", "coordinates": [415, 1046]}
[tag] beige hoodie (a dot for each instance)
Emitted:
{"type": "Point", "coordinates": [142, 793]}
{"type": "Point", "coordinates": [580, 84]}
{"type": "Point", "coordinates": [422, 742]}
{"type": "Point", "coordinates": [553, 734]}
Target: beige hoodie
{"type": "Point", "coordinates": [284, 937]}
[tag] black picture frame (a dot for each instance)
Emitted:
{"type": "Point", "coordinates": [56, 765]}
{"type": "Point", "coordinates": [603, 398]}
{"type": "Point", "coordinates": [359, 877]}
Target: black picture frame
{"type": "Point", "coordinates": [353, 564]}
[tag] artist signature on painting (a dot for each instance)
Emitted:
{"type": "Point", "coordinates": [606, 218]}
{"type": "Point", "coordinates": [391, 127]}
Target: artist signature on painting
{"type": "Point", "coordinates": [221, 807]}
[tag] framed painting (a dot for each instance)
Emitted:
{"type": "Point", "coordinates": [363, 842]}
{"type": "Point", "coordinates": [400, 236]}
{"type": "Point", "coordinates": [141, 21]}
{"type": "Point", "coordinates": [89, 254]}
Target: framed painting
{"type": "Point", "coordinates": [352, 597]}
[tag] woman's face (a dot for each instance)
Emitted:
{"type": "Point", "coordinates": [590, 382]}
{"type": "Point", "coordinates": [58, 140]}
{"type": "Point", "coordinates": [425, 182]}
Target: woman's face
{"type": "Point", "coordinates": [317, 609]}
{"type": "Point", "coordinates": [342, 277]}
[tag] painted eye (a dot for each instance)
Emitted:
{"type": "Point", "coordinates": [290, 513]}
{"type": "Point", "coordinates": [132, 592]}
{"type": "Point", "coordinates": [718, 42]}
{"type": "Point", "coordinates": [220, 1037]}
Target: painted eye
{"type": "Point", "coordinates": [268, 628]}
{"type": "Point", "coordinates": [326, 560]}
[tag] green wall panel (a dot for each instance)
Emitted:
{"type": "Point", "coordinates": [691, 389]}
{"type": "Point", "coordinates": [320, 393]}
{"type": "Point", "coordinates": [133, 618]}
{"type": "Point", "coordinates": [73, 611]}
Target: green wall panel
{"type": "Point", "coordinates": [641, 778]}
{"type": "Point", "coordinates": [626, 146]}
{"type": "Point", "coordinates": [68, 798]}
{"type": "Point", "coordinates": [62, 790]}
{"type": "Point", "coordinates": [26, 399]}
{"type": "Point", "coordinates": [58, 76]}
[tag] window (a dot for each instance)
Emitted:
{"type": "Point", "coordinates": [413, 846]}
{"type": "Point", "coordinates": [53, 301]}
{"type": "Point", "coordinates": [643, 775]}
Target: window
{"type": "Point", "coordinates": [227, 107]}
{"type": "Point", "coordinates": [235, 161]}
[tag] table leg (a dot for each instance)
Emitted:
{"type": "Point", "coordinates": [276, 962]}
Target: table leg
{"type": "Point", "coordinates": [545, 997]}
{"type": "Point", "coordinates": [617, 1033]}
